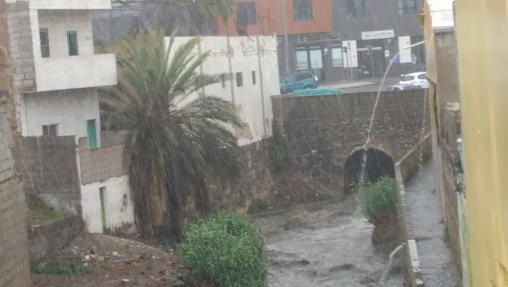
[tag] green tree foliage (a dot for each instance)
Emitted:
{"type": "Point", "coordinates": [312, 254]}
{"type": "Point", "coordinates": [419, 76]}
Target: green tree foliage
{"type": "Point", "coordinates": [227, 249]}
{"type": "Point", "coordinates": [378, 199]}
{"type": "Point", "coordinates": [176, 138]}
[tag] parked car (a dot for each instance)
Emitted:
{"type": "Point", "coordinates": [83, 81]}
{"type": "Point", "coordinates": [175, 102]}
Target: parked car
{"type": "Point", "coordinates": [298, 81]}
{"type": "Point", "coordinates": [418, 80]}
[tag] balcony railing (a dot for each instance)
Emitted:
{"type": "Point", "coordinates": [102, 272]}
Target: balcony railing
{"type": "Point", "coordinates": [70, 4]}
{"type": "Point", "coordinates": [75, 72]}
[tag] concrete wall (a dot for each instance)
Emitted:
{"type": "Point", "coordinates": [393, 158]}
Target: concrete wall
{"type": "Point", "coordinates": [404, 170]}
{"type": "Point", "coordinates": [322, 131]}
{"type": "Point", "coordinates": [51, 171]}
{"type": "Point", "coordinates": [247, 55]}
{"type": "Point", "coordinates": [482, 31]}
{"type": "Point", "coordinates": [118, 205]}
{"type": "Point", "coordinates": [66, 4]}
{"type": "Point", "coordinates": [59, 22]}
{"type": "Point", "coordinates": [22, 56]}
{"type": "Point", "coordinates": [106, 169]}
{"type": "Point", "coordinates": [14, 260]}
{"type": "Point", "coordinates": [48, 238]}
{"type": "Point", "coordinates": [69, 109]}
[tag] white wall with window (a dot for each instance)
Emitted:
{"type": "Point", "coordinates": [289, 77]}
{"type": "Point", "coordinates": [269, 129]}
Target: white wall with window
{"type": "Point", "coordinates": [63, 113]}
{"type": "Point", "coordinates": [251, 77]}
{"type": "Point", "coordinates": [107, 205]}
{"type": "Point", "coordinates": [61, 27]}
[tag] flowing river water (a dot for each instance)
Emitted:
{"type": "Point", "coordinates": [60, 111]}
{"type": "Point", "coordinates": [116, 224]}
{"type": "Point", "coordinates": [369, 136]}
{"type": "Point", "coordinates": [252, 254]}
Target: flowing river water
{"type": "Point", "coordinates": [324, 245]}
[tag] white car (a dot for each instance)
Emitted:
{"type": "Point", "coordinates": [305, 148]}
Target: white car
{"type": "Point", "coordinates": [418, 80]}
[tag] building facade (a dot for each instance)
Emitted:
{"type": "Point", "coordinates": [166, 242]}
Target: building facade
{"type": "Point", "coordinates": [482, 40]}
{"type": "Point", "coordinates": [250, 77]}
{"type": "Point", "coordinates": [337, 39]}
{"type": "Point", "coordinates": [303, 29]}
{"type": "Point", "coordinates": [372, 33]}
{"type": "Point", "coordinates": [445, 110]}
{"type": "Point", "coordinates": [56, 70]}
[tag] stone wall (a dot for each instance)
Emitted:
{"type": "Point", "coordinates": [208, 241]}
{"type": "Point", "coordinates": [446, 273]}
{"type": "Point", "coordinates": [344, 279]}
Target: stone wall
{"type": "Point", "coordinates": [21, 46]}
{"type": "Point", "coordinates": [14, 262]}
{"type": "Point", "coordinates": [322, 132]}
{"type": "Point", "coordinates": [51, 171]}
{"type": "Point", "coordinates": [106, 162]}
{"type": "Point", "coordinates": [48, 238]}
{"type": "Point", "coordinates": [259, 184]}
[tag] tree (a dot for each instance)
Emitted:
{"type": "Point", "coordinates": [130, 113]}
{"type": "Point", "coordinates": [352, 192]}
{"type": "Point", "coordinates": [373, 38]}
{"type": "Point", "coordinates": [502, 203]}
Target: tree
{"type": "Point", "coordinates": [177, 137]}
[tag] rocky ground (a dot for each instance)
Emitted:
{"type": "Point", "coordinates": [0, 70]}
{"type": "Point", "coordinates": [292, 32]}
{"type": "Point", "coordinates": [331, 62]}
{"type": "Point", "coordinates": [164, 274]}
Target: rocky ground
{"type": "Point", "coordinates": [108, 261]}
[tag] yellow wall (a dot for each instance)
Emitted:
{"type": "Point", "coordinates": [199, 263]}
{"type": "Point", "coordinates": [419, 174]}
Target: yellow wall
{"type": "Point", "coordinates": [482, 41]}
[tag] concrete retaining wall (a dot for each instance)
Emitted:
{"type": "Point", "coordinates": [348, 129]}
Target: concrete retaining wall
{"type": "Point", "coordinates": [404, 170]}
{"type": "Point", "coordinates": [48, 238]}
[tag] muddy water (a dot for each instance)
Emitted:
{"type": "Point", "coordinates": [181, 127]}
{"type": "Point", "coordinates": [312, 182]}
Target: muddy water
{"type": "Point", "coordinates": [326, 244]}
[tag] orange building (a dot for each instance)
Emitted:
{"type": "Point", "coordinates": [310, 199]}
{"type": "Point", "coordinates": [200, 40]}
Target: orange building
{"type": "Point", "coordinates": [255, 17]}
{"type": "Point", "coordinates": [308, 24]}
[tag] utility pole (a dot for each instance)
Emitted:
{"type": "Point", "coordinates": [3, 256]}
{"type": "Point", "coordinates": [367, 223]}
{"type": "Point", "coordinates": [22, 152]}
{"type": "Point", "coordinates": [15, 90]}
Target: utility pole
{"type": "Point", "coordinates": [286, 37]}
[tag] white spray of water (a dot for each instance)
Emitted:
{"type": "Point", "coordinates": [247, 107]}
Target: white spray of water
{"type": "Point", "coordinates": [390, 262]}
{"type": "Point", "coordinates": [374, 110]}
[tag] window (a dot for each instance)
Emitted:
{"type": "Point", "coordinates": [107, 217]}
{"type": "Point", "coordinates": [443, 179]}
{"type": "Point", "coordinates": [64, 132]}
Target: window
{"type": "Point", "coordinates": [91, 129]}
{"type": "Point", "coordinates": [408, 7]}
{"type": "Point", "coordinates": [72, 43]}
{"type": "Point", "coordinates": [253, 78]}
{"type": "Point", "coordinates": [246, 14]}
{"type": "Point", "coordinates": [303, 76]}
{"type": "Point", "coordinates": [302, 10]}
{"type": "Point", "coordinates": [50, 130]}
{"type": "Point", "coordinates": [422, 76]}
{"type": "Point", "coordinates": [302, 59]}
{"type": "Point", "coordinates": [337, 60]}
{"type": "Point", "coordinates": [44, 37]}
{"type": "Point", "coordinates": [316, 57]}
{"type": "Point", "coordinates": [356, 8]}
{"type": "Point", "coordinates": [239, 79]}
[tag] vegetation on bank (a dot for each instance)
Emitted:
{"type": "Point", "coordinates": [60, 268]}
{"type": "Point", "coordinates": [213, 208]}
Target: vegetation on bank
{"type": "Point", "coordinates": [378, 199]}
{"type": "Point", "coordinates": [226, 249]}
{"type": "Point", "coordinates": [39, 211]}
{"type": "Point", "coordinates": [58, 269]}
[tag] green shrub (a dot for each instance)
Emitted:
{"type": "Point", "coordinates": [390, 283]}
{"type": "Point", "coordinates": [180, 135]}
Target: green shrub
{"type": "Point", "coordinates": [227, 249]}
{"type": "Point", "coordinates": [39, 211]}
{"type": "Point", "coordinates": [378, 199]}
{"type": "Point", "coordinates": [279, 157]}
{"type": "Point", "coordinates": [58, 269]}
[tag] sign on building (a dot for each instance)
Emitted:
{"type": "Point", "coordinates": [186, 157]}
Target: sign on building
{"type": "Point", "coordinates": [381, 34]}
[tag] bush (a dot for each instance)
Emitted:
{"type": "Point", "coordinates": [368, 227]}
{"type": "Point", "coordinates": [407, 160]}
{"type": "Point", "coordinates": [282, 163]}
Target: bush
{"type": "Point", "coordinates": [279, 157]}
{"type": "Point", "coordinates": [227, 249]}
{"type": "Point", "coordinates": [378, 199]}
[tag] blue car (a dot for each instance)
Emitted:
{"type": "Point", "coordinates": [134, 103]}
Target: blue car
{"type": "Point", "coordinates": [298, 81]}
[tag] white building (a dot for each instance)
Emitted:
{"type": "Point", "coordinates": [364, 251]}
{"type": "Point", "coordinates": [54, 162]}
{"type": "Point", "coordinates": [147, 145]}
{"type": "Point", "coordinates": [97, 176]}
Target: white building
{"type": "Point", "coordinates": [56, 70]}
{"type": "Point", "coordinates": [252, 77]}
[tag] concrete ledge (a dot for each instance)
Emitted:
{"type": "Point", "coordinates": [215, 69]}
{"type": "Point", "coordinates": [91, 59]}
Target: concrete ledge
{"type": "Point", "coordinates": [404, 170]}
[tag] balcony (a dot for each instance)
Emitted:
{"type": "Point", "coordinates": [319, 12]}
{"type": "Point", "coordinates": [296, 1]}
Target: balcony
{"type": "Point", "coordinates": [70, 4]}
{"type": "Point", "coordinates": [75, 72]}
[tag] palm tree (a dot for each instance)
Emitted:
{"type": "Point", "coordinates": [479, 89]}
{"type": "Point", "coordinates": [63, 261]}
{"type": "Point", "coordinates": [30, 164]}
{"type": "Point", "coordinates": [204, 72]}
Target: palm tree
{"type": "Point", "coordinates": [177, 137]}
